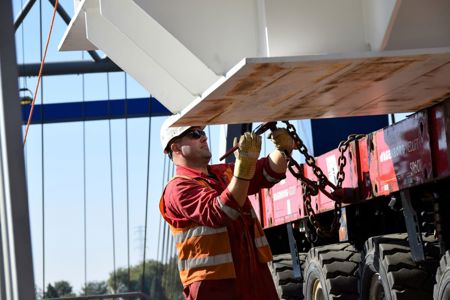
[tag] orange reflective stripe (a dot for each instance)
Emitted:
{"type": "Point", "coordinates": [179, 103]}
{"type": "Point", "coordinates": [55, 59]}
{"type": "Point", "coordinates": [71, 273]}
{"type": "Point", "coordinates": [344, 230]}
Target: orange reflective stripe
{"type": "Point", "coordinates": [201, 246]}
{"type": "Point", "coordinates": [262, 245]}
{"type": "Point", "coordinates": [264, 254]}
{"type": "Point", "coordinates": [204, 253]}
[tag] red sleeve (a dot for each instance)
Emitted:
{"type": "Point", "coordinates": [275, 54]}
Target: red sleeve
{"type": "Point", "coordinates": [188, 201]}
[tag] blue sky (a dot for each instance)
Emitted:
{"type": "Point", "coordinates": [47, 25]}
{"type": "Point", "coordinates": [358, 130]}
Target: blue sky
{"type": "Point", "coordinates": [62, 167]}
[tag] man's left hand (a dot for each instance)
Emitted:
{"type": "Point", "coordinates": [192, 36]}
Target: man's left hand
{"type": "Point", "coordinates": [282, 140]}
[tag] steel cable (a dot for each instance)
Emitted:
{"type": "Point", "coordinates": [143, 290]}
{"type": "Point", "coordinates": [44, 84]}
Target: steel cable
{"type": "Point", "coordinates": [127, 181]}
{"type": "Point", "coordinates": [42, 148]}
{"type": "Point", "coordinates": [84, 178]}
{"type": "Point", "coordinates": [147, 190]}
{"type": "Point", "coordinates": [112, 187]}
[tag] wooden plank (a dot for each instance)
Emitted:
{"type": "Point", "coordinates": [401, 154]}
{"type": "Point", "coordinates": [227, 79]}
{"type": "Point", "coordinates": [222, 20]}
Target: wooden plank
{"type": "Point", "coordinates": [325, 86]}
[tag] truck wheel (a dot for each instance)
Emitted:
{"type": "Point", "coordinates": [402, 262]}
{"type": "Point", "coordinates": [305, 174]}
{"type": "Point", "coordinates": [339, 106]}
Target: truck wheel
{"type": "Point", "coordinates": [330, 272]}
{"type": "Point", "coordinates": [442, 286]}
{"type": "Point", "coordinates": [388, 271]}
{"type": "Point", "coordinates": [288, 287]}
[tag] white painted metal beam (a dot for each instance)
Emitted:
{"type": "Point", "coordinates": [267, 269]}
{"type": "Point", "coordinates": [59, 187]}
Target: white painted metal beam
{"type": "Point", "coordinates": [143, 32]}
{"type": "Point", "coordinates": [325, 86]}
{"type": "Point", "coordinates": [420, 24]}
{"type": "Point", "coordinates": [144, 69]}
{"type": "Point", "coordinates": [181, 50]}
{"type": "Point", "coordinates": [379, 18]}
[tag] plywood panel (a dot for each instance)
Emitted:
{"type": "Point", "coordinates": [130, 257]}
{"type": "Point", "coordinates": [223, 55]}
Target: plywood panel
{"type": "Point", "coordinates": [305, 87]}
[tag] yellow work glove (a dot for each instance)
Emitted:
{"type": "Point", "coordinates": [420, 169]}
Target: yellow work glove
{"type": "Point", "coordinates": [282, 140]}
{"type": "Point", "coordinates": [246, 155]}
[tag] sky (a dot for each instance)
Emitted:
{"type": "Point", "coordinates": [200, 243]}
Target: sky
{"type": "Point", "coordinates": [56, 177]}
{"type": "Point", "coordinates": [70, 163]}
{"type": "Point", "coordinates": [54, 167]}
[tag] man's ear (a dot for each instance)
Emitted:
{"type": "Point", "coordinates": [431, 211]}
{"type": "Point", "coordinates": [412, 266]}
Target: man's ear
{"type": "Point", "coordinates": [175, 147]}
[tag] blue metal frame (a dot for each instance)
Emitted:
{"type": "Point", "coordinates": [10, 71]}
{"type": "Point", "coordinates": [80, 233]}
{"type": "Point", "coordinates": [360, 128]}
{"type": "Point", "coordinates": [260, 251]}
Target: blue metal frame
{"type": "Point", "coordinates": [94, 110]}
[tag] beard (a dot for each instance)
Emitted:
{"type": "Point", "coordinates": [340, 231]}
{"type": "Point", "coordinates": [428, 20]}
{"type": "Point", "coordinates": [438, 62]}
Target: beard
{"type": "Point", "coordinates": [202, 153]}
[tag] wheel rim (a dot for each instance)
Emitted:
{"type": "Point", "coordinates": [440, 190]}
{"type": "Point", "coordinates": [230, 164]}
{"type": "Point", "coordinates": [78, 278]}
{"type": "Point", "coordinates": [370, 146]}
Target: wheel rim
{"type": "Point", "coordinates": [376, 291]}
{"type": "Point", "coordinates": [317, 292]}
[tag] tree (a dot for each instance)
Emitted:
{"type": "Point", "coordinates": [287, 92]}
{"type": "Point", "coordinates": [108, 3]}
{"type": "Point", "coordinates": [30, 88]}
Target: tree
{"type": "Point", "coordinates": [63, 288]}
{"type": "Point", "coordinates": [51, 292]}
{"type": "Point", "coordinates": [95, 288]}
{"type": "Point", "coordinates": [155, 274]}
{"type": "Point", "coordinates": [38, 292]}
{"type": "Point", "coordinates": [58, 289]}
{"type": "Point", "coordinates": [171, 280]}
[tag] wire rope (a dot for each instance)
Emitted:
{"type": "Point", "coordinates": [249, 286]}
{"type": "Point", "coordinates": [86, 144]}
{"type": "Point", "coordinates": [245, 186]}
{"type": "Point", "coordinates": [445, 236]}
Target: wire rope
{"type": "Point", "coordinates": [83, 87]}
{"type": "Point", "coordinates": [166, 241]}
{"type": "Point", "coordinates": [170, 237]}
{"type": "Point", "coordinates": [170, 245]}
{"type": "Point", "coordinates": [166, 226]}
{"type": "Point", "coordinates": [112, 187]}
{"type": "Point", "coordinates": [42, 57]}
{"type": "Point", "coordinates": [147, 190]}
{"type": "Point", "coordinates": [160, 217]}
{"type": "Point", "coordinates": [163, 251]}
{"type": "Point", "coordinates": [159, 245]}
{"type": "Point", "coordinates": [127, 182]}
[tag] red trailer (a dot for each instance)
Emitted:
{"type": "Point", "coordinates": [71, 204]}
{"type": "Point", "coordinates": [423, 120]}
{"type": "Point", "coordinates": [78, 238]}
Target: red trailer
{"type": "Point", "coordinates": [388, 237]}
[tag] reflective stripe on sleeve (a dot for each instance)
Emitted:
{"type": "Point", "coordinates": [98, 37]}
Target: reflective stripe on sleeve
{"type": "Point", "coordinates": [230, 212]}
{"type": "Point", "coordinates": [261, 242]}
{"type": "Point", "coordinates": [205, 261]}
{"type": "Point", "coordinates": [254, 216]}
{"type": "Point", "coordinates": [270, 178]}
{"type": "Point", "coordinates": [197, 231]}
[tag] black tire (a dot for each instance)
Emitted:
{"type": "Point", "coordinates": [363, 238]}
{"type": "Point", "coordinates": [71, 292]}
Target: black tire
{"type": "Point", "coordinates": [288, 287]}
{"type": "Point", "coordinates": [442, 286]}
{"type": "Point", "coordinates": [388, 271]}
{"type": "Point", "coordinates": [330, 272]}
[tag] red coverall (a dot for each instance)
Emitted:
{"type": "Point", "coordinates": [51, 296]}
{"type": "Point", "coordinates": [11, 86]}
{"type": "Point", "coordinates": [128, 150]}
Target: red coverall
{"type": "Point", "coordinates": [187, 201]}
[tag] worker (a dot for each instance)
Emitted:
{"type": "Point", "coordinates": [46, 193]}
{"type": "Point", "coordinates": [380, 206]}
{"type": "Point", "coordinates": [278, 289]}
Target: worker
{"type": "Point", "coordinates": [221, 247]}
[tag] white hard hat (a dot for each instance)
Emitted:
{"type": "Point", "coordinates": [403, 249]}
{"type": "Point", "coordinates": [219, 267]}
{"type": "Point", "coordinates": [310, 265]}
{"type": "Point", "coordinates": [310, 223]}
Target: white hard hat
{"type": "Point", "coordinates": [168, 133]}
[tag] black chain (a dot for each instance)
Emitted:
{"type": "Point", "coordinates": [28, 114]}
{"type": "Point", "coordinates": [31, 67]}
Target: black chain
{"type": "Point", "coordinates": [311, 188]}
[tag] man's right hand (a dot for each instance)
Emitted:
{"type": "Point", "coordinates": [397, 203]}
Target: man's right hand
{"type": "Point", "coordinates": [246, 155]}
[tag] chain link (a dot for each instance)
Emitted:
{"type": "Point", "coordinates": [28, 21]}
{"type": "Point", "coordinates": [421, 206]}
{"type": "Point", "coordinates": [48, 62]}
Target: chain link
{"type": "Point", "coordinates": [311, 188]}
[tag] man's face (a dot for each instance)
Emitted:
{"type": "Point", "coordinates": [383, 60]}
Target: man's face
{"type": "Point", "coordinates": [193, 144]}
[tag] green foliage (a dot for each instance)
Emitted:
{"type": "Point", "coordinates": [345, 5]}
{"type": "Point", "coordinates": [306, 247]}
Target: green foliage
{"type": "Point", "coordinates": [171, 281]}
{"type": "Point", "coordinates": [51, 292]}
{"type": "Point", "coordinates": [63, 288]}
{"type": "Point", "coordinates": [58, 289]}
{"type": "Point", "coordinates": [95, 288]}
{"type": "Point", "coordinates": [161, 281]}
